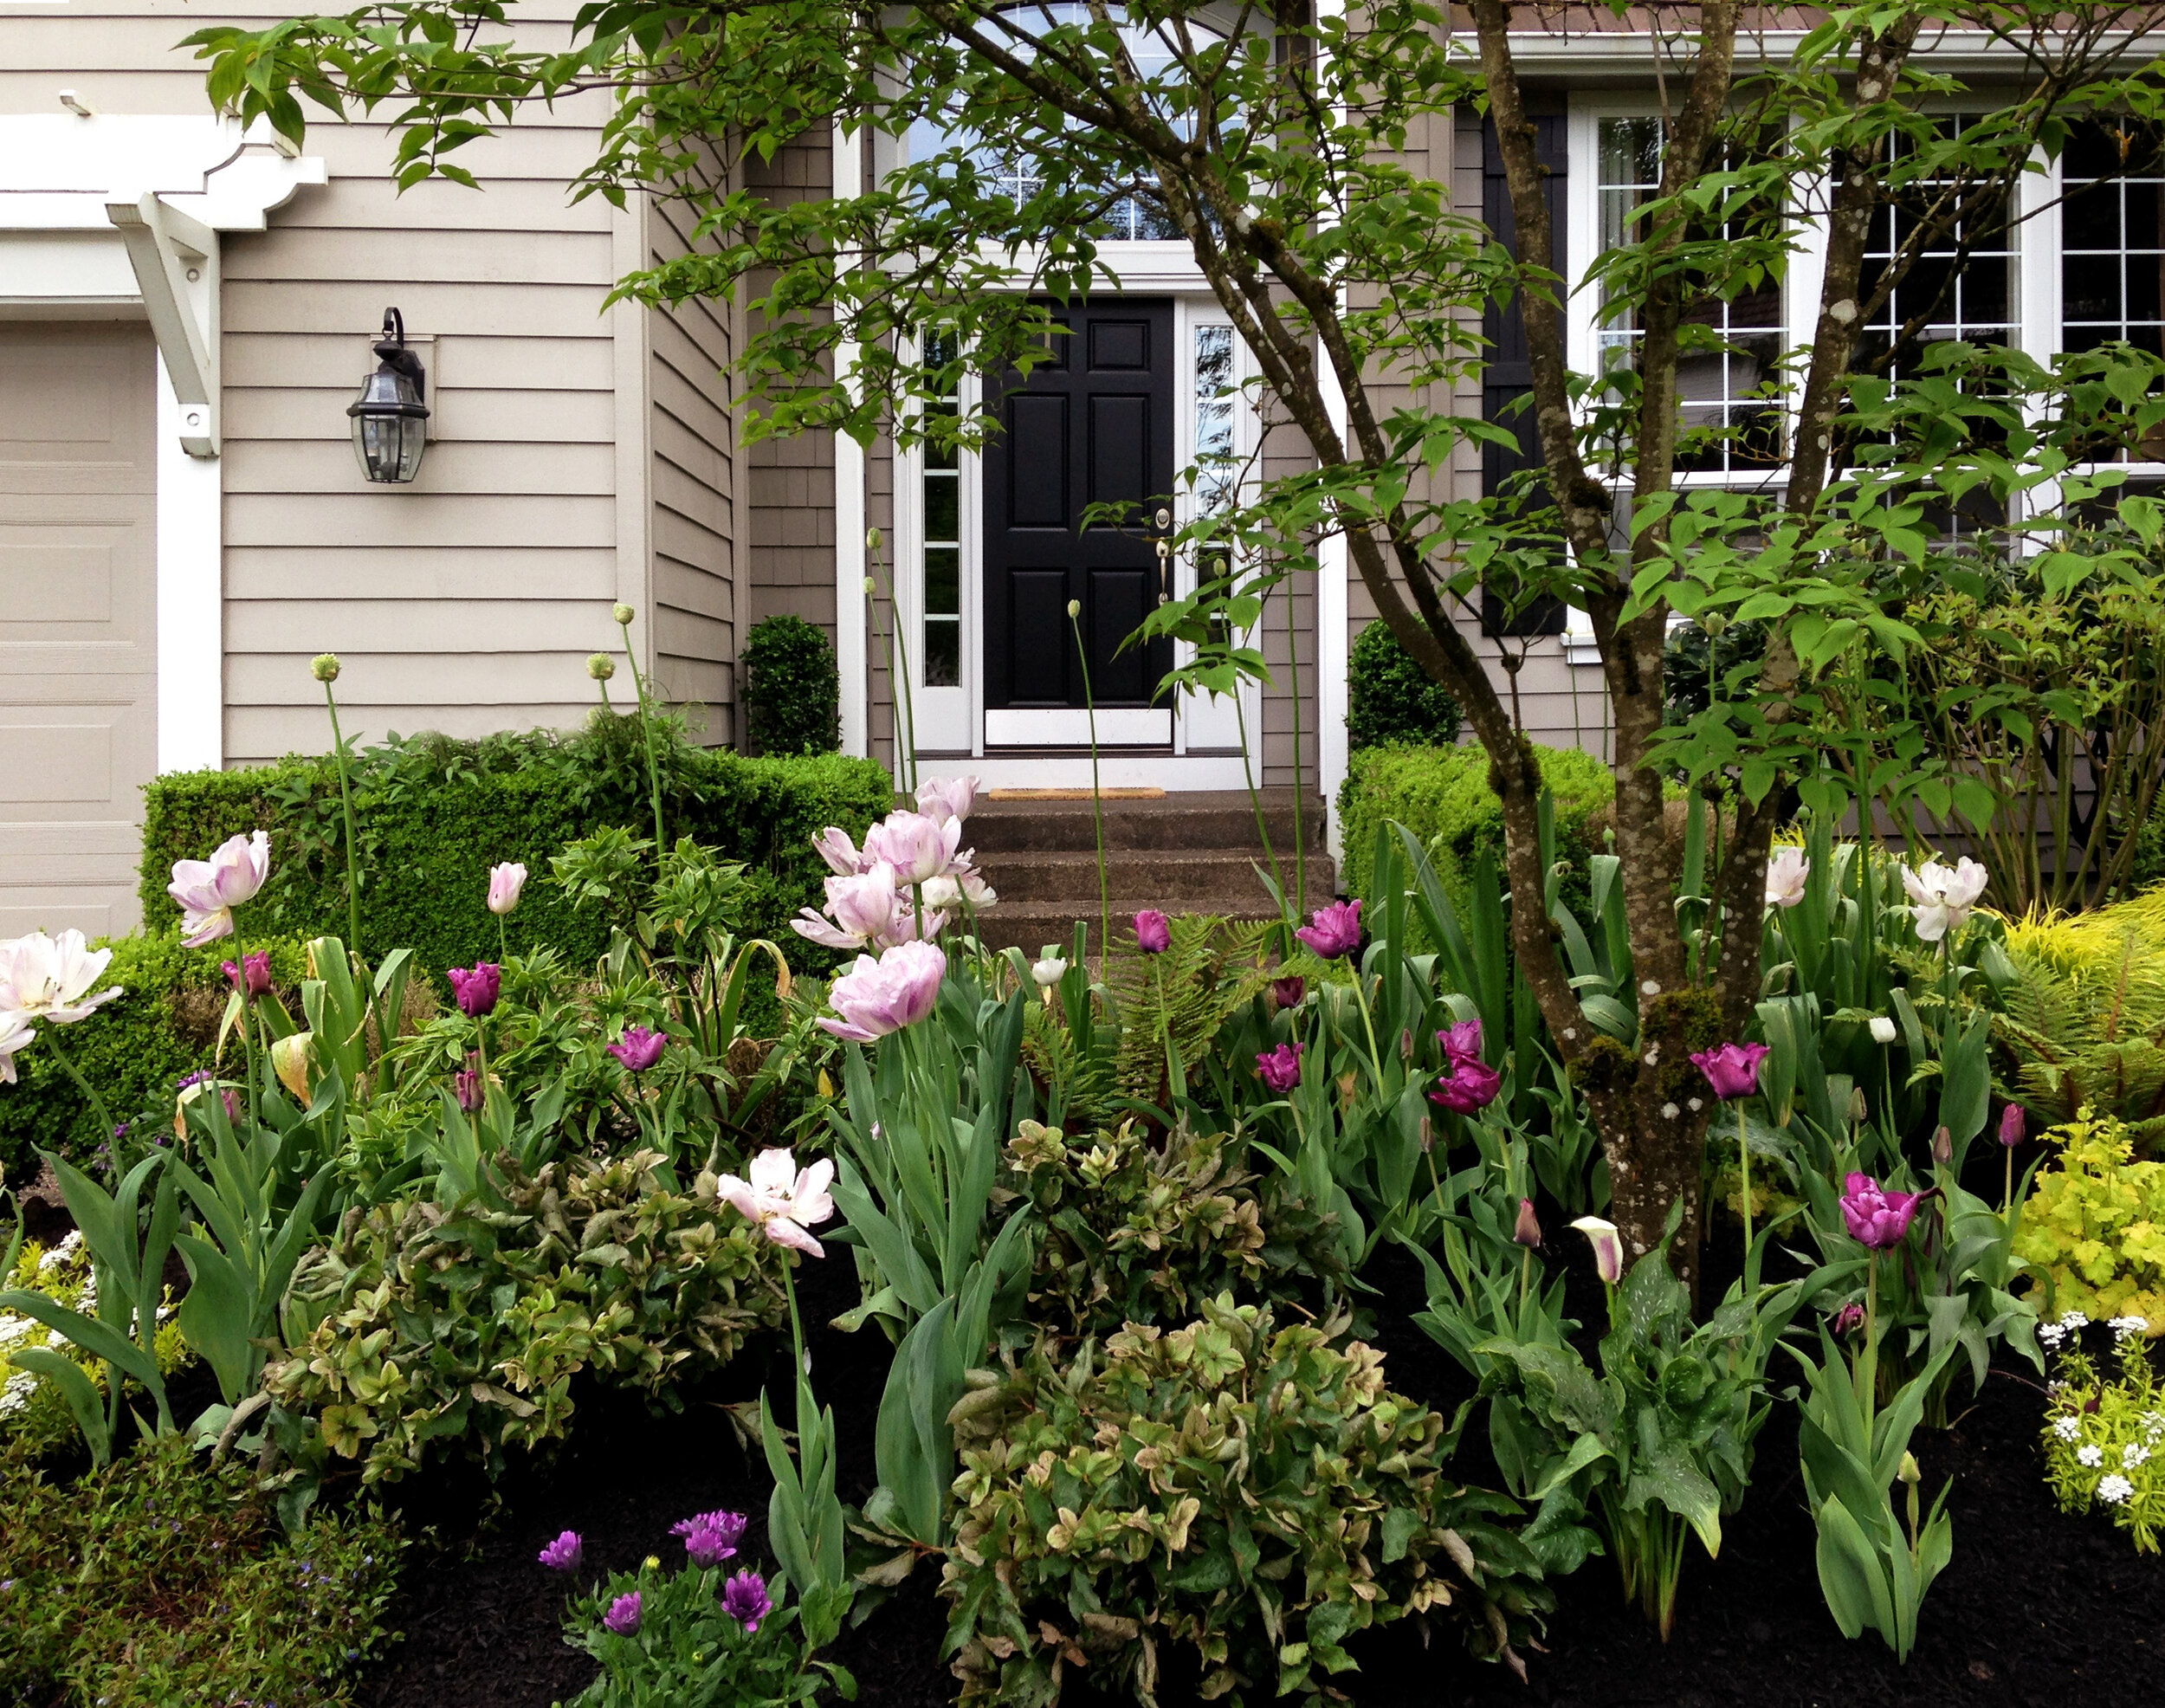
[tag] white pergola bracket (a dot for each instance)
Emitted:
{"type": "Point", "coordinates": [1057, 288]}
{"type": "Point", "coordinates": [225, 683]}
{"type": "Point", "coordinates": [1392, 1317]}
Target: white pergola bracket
{"type": "Point", "coordinates": [175, 257]}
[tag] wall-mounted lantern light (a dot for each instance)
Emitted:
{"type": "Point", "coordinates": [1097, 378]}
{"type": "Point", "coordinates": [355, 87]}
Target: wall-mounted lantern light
{"type": "Point", "coordinates": [390, 416]}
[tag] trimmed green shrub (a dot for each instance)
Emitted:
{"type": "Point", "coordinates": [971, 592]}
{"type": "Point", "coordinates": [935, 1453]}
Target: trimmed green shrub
{"type": "Point", "coordinates": [434, 815]}
{"type": "Point", "coordinates": [1442, 795]}
{"type": "Point", "coordinates": [159, 1580]}
{"type": "Point", "coordinates": [134, 1050]}
{"type": "Point", "coordinates": [1390, 698]}
{"type": "Point", "coordinates": [791, 691]}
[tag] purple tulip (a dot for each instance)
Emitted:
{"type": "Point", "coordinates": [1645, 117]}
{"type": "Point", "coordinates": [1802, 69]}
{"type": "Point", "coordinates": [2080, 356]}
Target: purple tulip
{"type": "Point", "coordinates": [1461, 1041]}
{"type": "Point", "coordinates": [1154, 932]}
{"type": "Point", "coordinates": [1280, 1069]}
{"type": "Point", "coordinates": [466, 1085]}
{"type": "Point", "coordinates": [252, 978]}
{"type": "Point", "coordinates": [1849, 1319]}
{"type": "Point", "coordinates": [1472, 1086]}
{"type": "Point", "coordinates": [710, 1537]}
{"type": "Point", "coordinates": [743, 1598]}
{"type": "Point", "coordinates": [1334, 931]}
{"type": "Point", "coordinates": [1528, 1233]}
{"type": "Point", "coordinates": [476, 988]}
{"type": "Point", "coordinates": [564, 1554]}
{"type": "Point", "coordinates": [1877, 1217]}
{"type": "Point", "coordinates": [2014, 1125]}
{"type": "Point", "coordinates": [1732, 1069]}
{"type": "Point", "coordinates": [639, 1049]}
{"type": "Point", "coordinates": [1288, 992]}
{"type": "Point", "coordinates": [623, 1616]}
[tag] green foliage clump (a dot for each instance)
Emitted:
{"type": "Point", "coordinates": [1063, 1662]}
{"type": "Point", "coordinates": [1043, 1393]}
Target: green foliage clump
{"type": "Point", "coordinates": [435, 814]}
{"type": "Point", "coordinates": [2093, 1225]}
{"type": "Point", "coordinates": [1131, 1232]}
{"type": "Point", "coordinates": [2104, 1441]}
{"type": "Point", "coordinates": [2084, 1024]}
{"type": "Point", "coordinates": [1254, 1493]}
{"type": "Point", "coordinates": [34, 1413]}
{"type": "Point", "coordinates": [468, 1324]}
{"type": "Point", "coordinates": [790, 689]}
{"type": "Point", "coordinates": [1391, 700]}
{"type": "Point", "coordinates": [157, 1582]}
{"type": "Point", "coordinates": [135, 1048]}
{"type": "Point", "coordinates": [1442, 795]}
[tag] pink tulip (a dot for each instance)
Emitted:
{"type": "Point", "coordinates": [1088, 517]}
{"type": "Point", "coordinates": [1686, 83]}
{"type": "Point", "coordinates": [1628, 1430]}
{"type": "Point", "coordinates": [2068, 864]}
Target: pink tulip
{"type": "Point", "coordinates": [1528, 1230]}
{"type": "Point", "coordinates": [504, 882]}
{"type": "Point", "coordinates": [639, 1049]}
{"type": "Point", "coordinates": [209, 890]}
{"type": "Point", "coordinates": [874, 998]}
{"type": "Point", "coordinates": [941, 799]}
{"type": "Point", "coordinates": [784, 1203]}
{"type": "Point", "coordinates": [1334, 930]}
{"type": "Point", "coordinates": [1732, 1069]}
{"type": "Point", "coordinates": [918, 848]}
{"type": "Point", "coordinates": [1471, 1087]}
{"type": "Point", "coordinates": [833, 845]}
{"type": "Point", "coordinates": [50, 978]}
{"type": "Point", "coordinates": [1280, 1069]}
{"type": "Point", "coordinates": [1877, 1217]}
{"type": "Point", "coordinates": [1786, 875]}
{"type": "Point", "coordinates": [862, 906]}
{"type": "Point", "coordinates": [1941, 897]}
{"type": "Point", "coordinates": [1154, 932]}
{"type": "Point", "coordinates": [251, 975]}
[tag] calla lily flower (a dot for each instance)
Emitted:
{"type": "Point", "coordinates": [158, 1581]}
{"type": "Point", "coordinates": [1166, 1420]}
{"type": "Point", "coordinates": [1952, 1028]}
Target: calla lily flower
{"type": "Point", "coordinates": [1608, 1247]}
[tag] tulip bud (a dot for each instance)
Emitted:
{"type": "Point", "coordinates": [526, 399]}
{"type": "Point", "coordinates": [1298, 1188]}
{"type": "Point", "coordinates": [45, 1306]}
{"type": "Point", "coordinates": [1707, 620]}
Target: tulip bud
{"type": "Point", "coordinates": [1883, 1029]}
{"type": "Point", "coordinates": [1528, 1233]}
{"type": "Point", "coordinates": [1714, 625]}
{"type": "Point", "coordinates": [869, 587]}
{"type": "Point", "coordinates": [1075, 607]}
{"type": "Point", "coordinates": [1908, 1472]}
{"type": "Point", "coordinates": [2014, 1123]}
{"type": "Point", "coordinates": [324, 667]}
{"type": "Point", "coordinates": [1942, 1146]}
{"type": "Point", "coordinates": [620, 613]}
{"type": "Point", "coordinates": [1857, 1112]}
{"type": "Point", "coordinates": [1405, 1044]}
{"type": "Point", "coordinates": [601, 667]}
{"type": "Point", "coordinates": [467, 1084]}
{"type": "Point", "coordinates": [871, 539]}
{"type": "Point", "coordinates": [292, 1058]}
{"type": "Point", "coordinates": [1428, 1137]}
{"type": "Point", "coordinates": [1288, 992]}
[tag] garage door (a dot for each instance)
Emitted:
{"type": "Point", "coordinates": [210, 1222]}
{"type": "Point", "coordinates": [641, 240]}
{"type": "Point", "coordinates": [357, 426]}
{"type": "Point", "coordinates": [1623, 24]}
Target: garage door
{"type": "Point", "coordinates": [78, 620]}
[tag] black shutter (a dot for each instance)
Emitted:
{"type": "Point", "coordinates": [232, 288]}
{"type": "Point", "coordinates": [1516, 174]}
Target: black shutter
{"type": "Point", "coordinates": [1510, 376]}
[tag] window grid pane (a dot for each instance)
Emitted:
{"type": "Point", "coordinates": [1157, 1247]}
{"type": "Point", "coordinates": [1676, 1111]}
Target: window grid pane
{"type": "Point", "coordinates": [940, 488]}
{"type": "Point", "coordinates": [2112, 248]}
{"type": "Point", "coordinates": [1975, 305]}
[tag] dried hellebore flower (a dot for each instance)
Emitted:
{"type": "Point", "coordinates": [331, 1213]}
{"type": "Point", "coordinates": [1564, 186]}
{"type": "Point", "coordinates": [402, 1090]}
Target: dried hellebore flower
{"type": "Point", "coordinates": [639, 1049]}
{"type": "Point", "coordinates": [1333, 930]}
{"type": "Point", "coordinates": [476, 988]}
{"type": "Point", "coordinates": [1280, 1069]}
{"type": "Point", "coordinates": [209, 890]}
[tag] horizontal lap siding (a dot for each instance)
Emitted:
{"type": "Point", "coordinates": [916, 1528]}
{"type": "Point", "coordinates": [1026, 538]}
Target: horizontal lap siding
{"type": "Point", "coordinates": [470, 600]}
{"type": "Point", "coordinates": [692, 490]}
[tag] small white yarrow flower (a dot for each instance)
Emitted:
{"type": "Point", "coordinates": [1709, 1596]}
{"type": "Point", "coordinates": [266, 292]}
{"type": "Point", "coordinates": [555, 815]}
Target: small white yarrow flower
{"type": "Point", "coordinates": [2134, 1454]}
{"type": "Point", "coordinates": [2127, 1328]}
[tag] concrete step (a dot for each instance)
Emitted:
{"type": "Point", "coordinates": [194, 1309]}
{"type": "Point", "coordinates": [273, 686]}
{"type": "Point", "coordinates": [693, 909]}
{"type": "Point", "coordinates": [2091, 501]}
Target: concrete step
{"type": "Point", "coordinates": [1215, 819]}
{"type": "Point", "coordinates": [1173, 881]}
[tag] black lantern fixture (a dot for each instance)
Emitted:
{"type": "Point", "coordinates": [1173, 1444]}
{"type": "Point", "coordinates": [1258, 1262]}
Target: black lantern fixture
{"type": "Point", "coordinates": [390, 418]}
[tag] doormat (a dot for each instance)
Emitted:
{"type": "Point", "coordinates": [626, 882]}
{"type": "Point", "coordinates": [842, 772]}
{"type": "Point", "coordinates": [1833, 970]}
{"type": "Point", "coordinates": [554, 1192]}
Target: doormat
{"type": "Point", "coordinates": [1074, 794]}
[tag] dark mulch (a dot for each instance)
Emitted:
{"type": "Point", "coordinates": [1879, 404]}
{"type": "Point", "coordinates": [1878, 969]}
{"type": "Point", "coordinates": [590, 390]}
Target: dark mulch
{"type": "Point", "coordinates": [2038, 1610]}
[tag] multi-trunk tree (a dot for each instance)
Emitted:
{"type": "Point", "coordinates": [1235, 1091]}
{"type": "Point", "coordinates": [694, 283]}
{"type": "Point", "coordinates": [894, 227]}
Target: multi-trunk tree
{"type": "Point", "coordinates": [1280, 142]}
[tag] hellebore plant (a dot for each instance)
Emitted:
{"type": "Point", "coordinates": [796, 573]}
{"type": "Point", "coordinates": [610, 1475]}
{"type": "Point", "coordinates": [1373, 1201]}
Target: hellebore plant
{"type": "Point", "coordinates": [1733, 1071]}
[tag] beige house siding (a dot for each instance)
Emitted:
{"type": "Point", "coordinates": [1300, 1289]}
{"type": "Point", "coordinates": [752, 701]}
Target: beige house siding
{"type": "Point", "coordinates": [468, 600]}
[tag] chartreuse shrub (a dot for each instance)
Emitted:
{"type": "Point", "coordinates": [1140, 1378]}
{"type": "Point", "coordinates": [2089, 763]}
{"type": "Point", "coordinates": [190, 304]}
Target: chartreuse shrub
{"type": "Point", "coordinates": [1442, 795]}
{"type": "Point", "coordinates": [1390, 699]}
{"type": "Point", "coordinates": [1249, 1492]}
{"type": "Point", "coordinates": [419, 1322]}
{"type": "Point", "coordinates": [2093, 1227]}
{"type": "Point", "coordinates": [158, 1581]}
{"type": "Point", "coordinates": [2104, 1439]}
{"type": "Point", "coordinates": [1130, 1230]}
{"type": "Point", "coordinates": [34, 1415]}
{"type": "Point", "coordinates": [791, 690]}
{"type": "Point", "coordinates": [135, 1048]}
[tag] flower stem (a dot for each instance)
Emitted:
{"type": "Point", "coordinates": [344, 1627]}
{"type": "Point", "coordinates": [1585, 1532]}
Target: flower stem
{"type": "Point", "coordinates": [90, 1092]}
{"type": "Point", "coordinates": [1098, 800]}
{"type": "Point", "coordinates": [1744, 1162]}
{"type": "Point", "coordinates": [646, 738]}
{"type": "Point", "coordinates": [352, 838]}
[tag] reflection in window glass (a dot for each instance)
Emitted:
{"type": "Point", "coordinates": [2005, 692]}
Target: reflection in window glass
{"type": "Point", "coordinates": [2112, 237]}
{"type": "Point", "coordinates": [1216, 476]}
{"type": "Point", "coordinates": [941, 495]}
{"type": "Point", "coordinates": [1731, 346]}
{"type": "Point", "coordinates": [1973, 302]}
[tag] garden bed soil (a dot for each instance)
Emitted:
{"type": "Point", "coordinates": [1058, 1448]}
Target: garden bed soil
{"type": "Point", "coordinates": [2037, 1609]}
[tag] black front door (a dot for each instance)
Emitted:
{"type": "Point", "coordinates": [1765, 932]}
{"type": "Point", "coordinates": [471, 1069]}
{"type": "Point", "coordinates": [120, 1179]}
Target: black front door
{"type": "Point", "coordinates": [1092, 425]}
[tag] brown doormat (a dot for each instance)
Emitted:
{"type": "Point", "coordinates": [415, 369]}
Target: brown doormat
{"type": "Point", "coordinates": [1074, 794]}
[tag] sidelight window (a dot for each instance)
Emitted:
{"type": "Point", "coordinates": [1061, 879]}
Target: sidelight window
{"type": "Point", "coordinates": [941, 496]}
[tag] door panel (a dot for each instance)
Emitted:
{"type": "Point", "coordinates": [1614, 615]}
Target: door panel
{"type": "Point", "coordinates": [78, 621]}
{"type": "Point", "coordinates": [1093, 426]}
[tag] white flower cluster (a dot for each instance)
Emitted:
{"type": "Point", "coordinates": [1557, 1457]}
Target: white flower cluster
{"type": "Point", "coordinates": [2127, 1328]}
{"type": "Point", "coordinates": [15, 1393]}
{"type": "Point", "coordinates": [2072, 1323]}
{"type": "Point", "coordinates": [2133, 1454]}
{"type": "Point", "coordinates": [63, 1253]}
{"type": "Point", "coordinates": [2067, 1429]}
{"type": "Point", "coordinates": [2114, 1490]}
{"type": "Point", "coordinates": [2090, 1455]}
{"type": "Point", "coordinates": [2152, 1427]}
